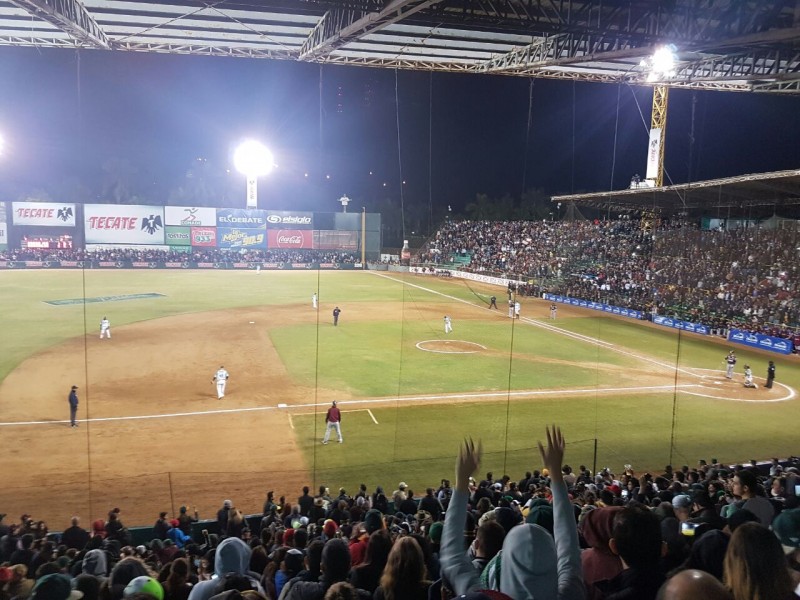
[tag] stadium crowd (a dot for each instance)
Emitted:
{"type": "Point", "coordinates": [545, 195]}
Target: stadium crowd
{"type": "Point", "coordinates": [209, 255]}
{"type": "Point", "coordinates": [708, 532]}
{"type": "Point", "coordinates": [744, 278]}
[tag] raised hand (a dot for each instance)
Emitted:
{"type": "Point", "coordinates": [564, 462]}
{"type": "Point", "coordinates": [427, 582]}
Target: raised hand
{"type": "Point", "coordinates": [553, 455]}
{"type": "Point", "coordinates": [467, 462]}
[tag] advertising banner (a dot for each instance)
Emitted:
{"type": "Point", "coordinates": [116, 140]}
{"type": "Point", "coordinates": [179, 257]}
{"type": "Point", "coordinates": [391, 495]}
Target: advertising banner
{"type": "Point", "coordinates": [204, 237]}
{"type": "Point", "coordinates": [677, 324]}
{"type": "Point", "coordinates": [759, 340]}
{"type": "Point", "coordinates": [233, 237]}
{"type": "Point", "coordinates": [2, 212]}
{"type": "Point", "coordinates": [290, 239]}
{"type": "Point", "coordinates": [336, 240]}
{"type": "Point", "coordinates": [43, 214]}
{"type": "Point", "coordinates": [123, 224]}
{"type": "Point", "coordinates": [3, 236]}
{"type": "Point", "coordinates": [241, 218]}
{"type": "Point", "coordinates": [189, 216]}
{"type": "Point", "coordinates": [178, 236]}
{"type": "Point", "coordinates": [653, 153]}
{"type": "Point", "coordinates": [609, 308]}
{"type": "Point", "coordinates": [278, 219]}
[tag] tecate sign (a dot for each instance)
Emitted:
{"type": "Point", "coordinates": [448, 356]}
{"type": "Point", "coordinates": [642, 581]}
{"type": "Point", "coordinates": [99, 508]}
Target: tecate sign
{"type": "Point", "coordinates": [43, 214]}
{"type": "Point", "coordinates": [123, 224]}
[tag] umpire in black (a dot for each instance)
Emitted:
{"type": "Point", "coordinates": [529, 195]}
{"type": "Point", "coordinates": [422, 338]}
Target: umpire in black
{"type": "Point", "coordinates": [73, 406]}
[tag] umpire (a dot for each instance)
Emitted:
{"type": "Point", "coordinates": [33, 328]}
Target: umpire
{"type": "Point", "coordinates": [73, 406]}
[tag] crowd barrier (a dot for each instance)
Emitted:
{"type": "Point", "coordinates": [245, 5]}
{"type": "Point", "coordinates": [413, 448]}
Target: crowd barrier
{"type": "Point", "coordinates": [609, 308]}
{"type": "Point", "coordinates": [761, 341]}
{"type": "Point", "coordinates": [162, 264]}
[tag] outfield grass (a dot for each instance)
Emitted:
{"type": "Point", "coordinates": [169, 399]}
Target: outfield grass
{"type": "Point", "coordinates": [416, 441]}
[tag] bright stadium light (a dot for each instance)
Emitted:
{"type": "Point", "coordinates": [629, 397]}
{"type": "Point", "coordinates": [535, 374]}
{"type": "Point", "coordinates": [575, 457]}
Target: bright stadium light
{"type": "Point", "coordinates": [253, 160]}
{"type": "Point", "coordinates": [2, 144]}
{"type": "Point", "coordinates": [662, 64]}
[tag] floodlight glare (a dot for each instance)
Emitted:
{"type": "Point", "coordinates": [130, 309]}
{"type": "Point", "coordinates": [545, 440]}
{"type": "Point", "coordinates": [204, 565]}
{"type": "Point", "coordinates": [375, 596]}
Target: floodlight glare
{"type": "Point", "coordinates": [2, 143]}
{"type": "Point", "coordinates": [662, 64]}
{"type": "Point", "coordinates": [253, 159]}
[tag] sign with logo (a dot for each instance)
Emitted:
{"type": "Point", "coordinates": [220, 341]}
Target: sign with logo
{"type": "Point", "coordinates": [616, 310]}
{"type": "Point", "coordinates": [178, 236]}
{"type": "Point", "coordinates": [677, 324]}
{"type": "Point", "coordinates": [296, 239]}
{"type": "Point", "coordinates": [759, 340]}
{"type": "Point", "coordinates": [241, 218]}
{"type": "Point", "coordinates": [205, 237]}
{"type": "Point", "coordinates": [653, 153]}
{"type": "Point", "coordinates": [190, 216]}
{"type": "Point", "coordinates": [278, 219]}
{"type": "Point", "coordinates": [3, 236]}
{"type": "Point", "coordinates": [2, 212]}
{"type": "Point", "coordinates": [233, 237]}
{"type": "Point", "coordinates": [43, 214]}
{"type": "Point", "coordinates": [123, 224]}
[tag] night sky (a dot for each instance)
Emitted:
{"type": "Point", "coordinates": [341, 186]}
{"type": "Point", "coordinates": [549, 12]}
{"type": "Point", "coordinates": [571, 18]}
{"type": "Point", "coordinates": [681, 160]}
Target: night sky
{"type": "Point", "coordinates": [77, 124]}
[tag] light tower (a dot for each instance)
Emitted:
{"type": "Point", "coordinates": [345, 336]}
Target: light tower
{"type": "Point", "coordinates": [345, 201]}
{"type": "Point", "coordinates": [253, 160]}
{"type": "Point", "coordinates": [661, 66]}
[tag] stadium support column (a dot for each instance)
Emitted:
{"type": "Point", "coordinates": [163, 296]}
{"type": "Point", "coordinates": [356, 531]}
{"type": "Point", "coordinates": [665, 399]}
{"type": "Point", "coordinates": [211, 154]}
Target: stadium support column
{"type": "Point", "coordinates": [658, 132]}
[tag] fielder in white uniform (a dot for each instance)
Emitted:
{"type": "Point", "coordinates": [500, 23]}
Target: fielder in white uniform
{"type": "Point", "coordinates": [314, 300]}
{"type": "Point", "coordinates": [105, 328]}
{"type": "Point", "coordinates": [517, 307]}
{"type": "Point", "coordinates": [448, 326]}
{"type": "Point", "coordinates": [221, 378]}
{"type": "Point", "coordinates": [748, 378]}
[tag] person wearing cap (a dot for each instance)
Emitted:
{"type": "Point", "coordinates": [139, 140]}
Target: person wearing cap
{"type": "Point", "coordinates": [18, 584]}
{"type": "Point", "coordinates": [748, 378]}
{"type": "Point", "coordinates": [175, 534]}
{"type": "Point", "coordinates": [786, 527]}
{"type": "Point", "coordinates": [333, 420]}
{"type": "Point", "coordinates": [56, 587]}
{"type": "Point", "coordinates": [730, 362]}
{"type": "Point", "coordinates": [73, 406]}
{"type": "Point", "coordinates": [770, 375]}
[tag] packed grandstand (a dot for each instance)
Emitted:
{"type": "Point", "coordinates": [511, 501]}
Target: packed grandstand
{"type": "Point", "coordinates": [555, 532]}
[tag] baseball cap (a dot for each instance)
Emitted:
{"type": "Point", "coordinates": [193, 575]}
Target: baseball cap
{"type": "Point", "coordinates": [786, 527]}
{"type": "Point", "coordinates": [145, 585]}
{"type": "Point", "coordinates": [6, 574]}
{"type": "Point", "coordinates": [57, 587]}
{"type": "Point", "coordinates": [74, 387]}
{"type": "Point", "coordinates": [402, 485]}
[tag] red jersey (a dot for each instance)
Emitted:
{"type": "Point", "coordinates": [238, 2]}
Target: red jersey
{"type": "Point", "coordinates": [333, 416]}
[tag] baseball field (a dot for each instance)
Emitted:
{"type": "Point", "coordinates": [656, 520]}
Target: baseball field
{"type": "Point", "coordinates": [152, 434]}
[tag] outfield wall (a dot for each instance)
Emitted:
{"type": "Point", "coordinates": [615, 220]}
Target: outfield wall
{"type": "Point", "coordinates": [54, 226]}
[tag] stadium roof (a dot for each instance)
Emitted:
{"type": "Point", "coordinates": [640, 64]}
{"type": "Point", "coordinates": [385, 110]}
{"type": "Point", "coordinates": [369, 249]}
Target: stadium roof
{"type": "Point", "coordinates": [781, 188]}
{"type": "Point", "coordinates": [744, 45]}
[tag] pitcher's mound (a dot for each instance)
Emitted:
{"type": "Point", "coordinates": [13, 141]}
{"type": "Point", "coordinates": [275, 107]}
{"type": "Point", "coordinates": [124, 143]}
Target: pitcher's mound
{"type": "Point", "coordinates": [450, 346]}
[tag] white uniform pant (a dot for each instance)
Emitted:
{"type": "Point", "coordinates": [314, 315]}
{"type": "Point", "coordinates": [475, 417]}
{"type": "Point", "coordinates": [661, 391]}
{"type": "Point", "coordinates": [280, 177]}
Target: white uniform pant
{"type": "Point", "coordinates": [729, 372]}
{"type": "Point", "coordinates": [221, 388]}
{"type": "Point", "coordinates": [328, 428]}
{"type": "Point", "coordinates": [106, 332]}
{"type": "Point", "coordinates": [448, 328]}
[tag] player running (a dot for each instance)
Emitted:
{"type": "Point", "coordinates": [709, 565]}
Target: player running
{"type": "Point", "coordinates": [221, 378]}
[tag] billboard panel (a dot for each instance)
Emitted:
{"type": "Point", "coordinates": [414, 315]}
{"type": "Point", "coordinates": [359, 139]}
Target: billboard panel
{"type": "Point", "coordinates": [241, 218]}
{"type": "Point", "coordinates": [278, 219]}
{"type": "Point", "coordinates": [177, 236]}
{"type": "Point", "coordinates": [233, 237]}
{"type": "Point", "coordinates": [336, 240]}
{"type": "Point", "coordinates": [3, 236]}
{"type": "Point", "coordinates": [204, 237]}
{"type": "Point", "coordinates": [123, 224]}
{"type": "Point", "coordinates": [190, 216]}
{"type": "Point", "coordinates": [47, 214]}
{"type": "Point", "coordinates": [2, 212]}
{"type": "Point", "coordinates": [294, 239]}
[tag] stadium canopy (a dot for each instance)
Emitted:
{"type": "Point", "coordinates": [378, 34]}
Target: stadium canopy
{"type": "Point", "coordinates": [758, 193]}
{"type": "Point", "coordinates": [741, 45]}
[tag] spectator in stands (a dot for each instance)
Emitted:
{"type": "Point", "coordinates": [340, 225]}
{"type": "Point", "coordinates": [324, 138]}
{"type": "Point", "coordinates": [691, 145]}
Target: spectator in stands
{"type": "Point", "coordinates": [222, 516]}
{"type": "Point", "coordinates": [232, 556]}
{"type": "Point", "coordinates": [488, 542]}
{"type": "Point", "coordinates": [177, 536]}
{"type": "Point", "coordinates": [161, 526]}
{"type": "Point", "coordinates": [431, 504]}
{"type": "Point", "coordinates": [335, 567]}
{"type": "Point", "coordinates": [755, 565]}
{"type": "Point", "coordinates": [405, 576]}
{"type": "Point", "coordinates": [598, 562]}
{"type": "Point", "coordinates": [177, 585]}
{"type": "Point", "coordinates": [693, 584]}
{"type": "Point", "coordinates": [186, 520]}
{"type": "Point", "coordinates": [746, 487]}
{"type": "Point", "coordinates": [19, 585]}
{"type": "Point", "coordinates": [786, 527]}
{"type": "Point", "coordinates": [24, 554]}
{"type": "Point", "coordinates": [533, 565]}
{"type": "Point", "coordinates": [75, 536]}
{"type": "Point", "coordinates": [306, 502]}
{"type": "Point", "coordinates": [366, 576]}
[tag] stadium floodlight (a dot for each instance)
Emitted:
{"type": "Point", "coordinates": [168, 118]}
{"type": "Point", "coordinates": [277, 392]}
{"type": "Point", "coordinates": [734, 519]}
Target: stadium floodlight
{"type": "Point", "coordinates": [661, 65]}
{"type": "Point", "coordinates": [253, 160]}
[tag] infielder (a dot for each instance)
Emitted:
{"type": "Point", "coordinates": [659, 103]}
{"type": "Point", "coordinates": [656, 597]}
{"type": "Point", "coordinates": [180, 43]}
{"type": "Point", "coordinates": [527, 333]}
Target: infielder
{"type": "Point", "coordinates": [314, 300]}
{"type": "Point", "coordinates": [517, 308]}
{"type": "Point", "coordinates": [333, 420]}
{"type": "Point", "coordinates": [105, 328]}
{"type": "Point", "coordinates": [553, 311]}
{"type": "Point", "coordinates": [221, 378]}
{"type": "Point", "coordinates": [510, 309]}
{"type": "Point", "coordinates": [448, 326]}
{"type": "Point", "coordinates": [731, 362]}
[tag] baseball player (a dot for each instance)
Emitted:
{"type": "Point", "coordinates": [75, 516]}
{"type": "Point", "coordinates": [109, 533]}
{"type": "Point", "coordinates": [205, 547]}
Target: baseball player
{"type": "Point", "coordinates": [517, 308]}
{"type": "Point", "coordinates": [748, 378]}
{"type": "Point", "coordinates": [333, 420]}
{"type": "Point", "coordinates": [493, 302]}
{"type": "Point", "coordinates": [314, 300]}
{"type": "Point", "coordinates": [105, 328]}
{"type": "Point", "coordinates": [221, 378]}
{"type": "Point", "coordinates": [553, 311]}
{"type": "Point", "coordinates": [731, 362]}
{"type": "Point", "coordinates": [448, 326]}
{"type": "Point", "coordinates": [73, 406]}
{"type": "Point", "coordinates": [510, 309]}
{"type": "Point", "coordinates": [336, 312]}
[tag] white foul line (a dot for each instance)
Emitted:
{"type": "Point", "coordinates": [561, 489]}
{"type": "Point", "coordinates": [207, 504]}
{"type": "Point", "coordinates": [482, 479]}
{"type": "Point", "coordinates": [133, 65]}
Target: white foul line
{"type": "Point", "coordinates": [291, 423]}
{"type": "Point", "coordinates": [374, 420]}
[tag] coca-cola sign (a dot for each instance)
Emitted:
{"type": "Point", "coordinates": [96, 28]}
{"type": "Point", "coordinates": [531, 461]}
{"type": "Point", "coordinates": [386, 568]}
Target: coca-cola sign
{"type": "Point", "coordinates": [296, 239]}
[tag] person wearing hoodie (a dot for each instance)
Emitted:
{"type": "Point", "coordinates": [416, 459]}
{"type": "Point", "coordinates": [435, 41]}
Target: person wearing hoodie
{"type": "Point", "coordinates": [335, 568]}
{"type": "Point", "coordinates": [175, 534]}
{"type": "Point", "coordinates": [534, 565]}
{"type": "Point", "coordinates": [598, 562]}
{"type": "Point", "coordinates": [231, 556]}
{"type": "Point", "coordinates": [95, 563]}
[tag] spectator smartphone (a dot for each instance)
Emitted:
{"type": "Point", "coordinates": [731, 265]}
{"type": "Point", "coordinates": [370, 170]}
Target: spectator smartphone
{"type": "Point", "coordinates": [624, 493]}
{"type": "Point", "coordinates": [688, 528]}
{"type": "Point", "coordinates": [797, 489]}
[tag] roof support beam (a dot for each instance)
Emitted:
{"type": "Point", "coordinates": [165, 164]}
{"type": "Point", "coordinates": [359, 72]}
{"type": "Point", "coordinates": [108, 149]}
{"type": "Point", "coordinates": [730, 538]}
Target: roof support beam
{"type": "Point", "coordinates": [343, 25]}
{"type": "Point", "coordinates": [69, 16]}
